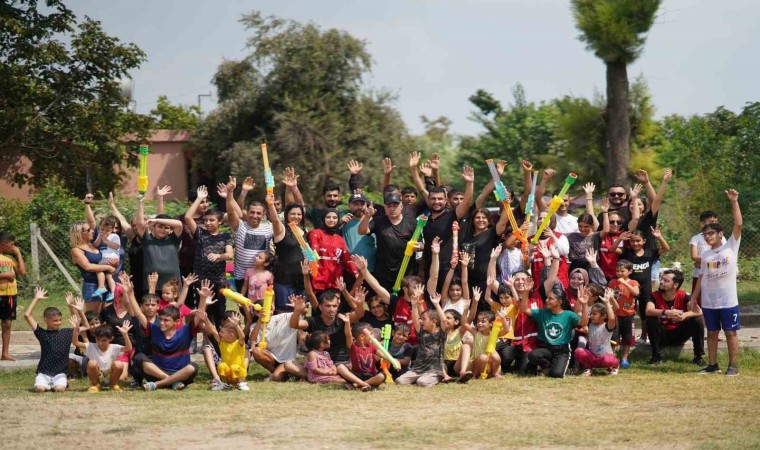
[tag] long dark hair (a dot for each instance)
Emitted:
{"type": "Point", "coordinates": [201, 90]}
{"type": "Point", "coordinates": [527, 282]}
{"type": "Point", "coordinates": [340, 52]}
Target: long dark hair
{"type": "Point", "coordinates": [303, 213]}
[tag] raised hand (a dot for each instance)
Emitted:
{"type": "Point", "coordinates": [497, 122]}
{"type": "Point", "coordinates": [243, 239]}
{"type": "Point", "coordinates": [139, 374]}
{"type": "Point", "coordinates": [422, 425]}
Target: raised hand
{"type": "Point", "coordinates": [667, 175]}
{"type": "Point", "coordinates": [289, 177]}
{"type": "Point", "coordinates": [248, 184]}
{"type": "Point", "coordinates": [732, 195]}
{"type": "Point", "coordinates": [203, 191]}
{"type": "Point", "coordinates": [360, 262]}
{"type": "Point", "coordinates": [111, 201]}
{"type": "Point", "coordinates": [41, 293]}
{"type": "Point", "coordinates": [426, 169]}
{"type": "Point", "coordinates": [435, 246]}
{"type": "Point", "coordinates": [340, 284]}
{"type": "Point", "coordinates": [605, 205]}
{"type": "Point", "coordinates": [88, 198]}
{"type": "Point", "coordinates": [236, 318]}
{"type": "Point", "coordinates": [468, 174]}
{"type": "Point", "coordinates": [417, 291]}
{"type": "Point", "coordinates": [388, 166]}
{"type": "Point", "coordinates": [125, 327]}
{"type": "Point", "coordinates": [656, 232]}
{"type": "Point", "coordinates": [344, 318]}
{"type": "Point", "coordinates": [454, 260]}
{"type": "Point", "coordinates": [414, 159]}
{"type": "Point", "coordinates": [591, 255]}
{"type": "Point", "coordinates": [189, 279]}
{"type": "Point", "coordinates": [126, 282]}
{"type": "Point", "coordinates": [347, 218]}
{"type": "Point", "coordinates": [526, 165]}
{"type": "Point", "coordinates": [642, 175]}
{"type": "Point", "coordinates": [163, 190]}
{"type": "Point", "coordinates": [231, 184]}
{"type": "Point", "coordinates": [464, 259]}
{"type": "Point", "coordinates": [297, 302]}
{"type": "Point", "coordinates": [625, 235]}
{"type": "Point", "coordinates": [476, 294]}
{"type": "Point", "coordinates": [360, 295]}
{"type": "Point", "coordinates": [371, 211]}
{"type": "Point", "coordinates": [435, 161]}
{"type": "Point", "coordinates": [589, 188]}
{"type": "Point", "coordinates": [221, 189]}
{"type": "Point", "coordinates": [205, 289]}
{"type": "Point", "coordinates": [500, 166]}
{"type": "Point", "coordinates": [609, 294]}
{"type": "Point", "coordinates": [435, 298]}
{"type": "Point", "coordinates": [355, 167]}
{"type": "Point", "coordinates": [544, 250]}
{"type": "Point", "coordinates": [74, 320]}
{"type": "Point", "coordinates": [583, 295]}
{"type": "Point", "coordinates": [305, 267]}
{"type": "Point", "coordinates": [636, 190]}
{"type": "Point", "coordinates": [549, 173]}
{"type": "Point", "coordinates": [496, 252]}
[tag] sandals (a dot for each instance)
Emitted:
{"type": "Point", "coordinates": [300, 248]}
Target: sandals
{"type": "Point", "coordinates": [149, 386]}
{"type": "Point", "coordinates": [178, 386]}
{"type": "Point", "coordinates": [93, 389]}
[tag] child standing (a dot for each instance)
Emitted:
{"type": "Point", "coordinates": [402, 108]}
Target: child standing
{"type": "Point", "coordinates": [102, 364]}
{"type": "Point", "coordinates": [363, 372]}
{"type": "Point", "coordinates": [625, 290]}
{"type": "Point", "coordinates": [10, 269]}
{"type": "Point", "coordinates": [599, 352]}
{"type": "Point", "coordinates": [259, 277]}
{"type": "Point", "coordinates": [54, 346]}
{"type": "Point", "coordinates": [112, 245]}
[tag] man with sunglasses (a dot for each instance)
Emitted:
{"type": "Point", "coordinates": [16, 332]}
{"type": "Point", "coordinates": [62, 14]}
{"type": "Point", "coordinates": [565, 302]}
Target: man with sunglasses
{"type": "Point", "coordinates": [618, 198]}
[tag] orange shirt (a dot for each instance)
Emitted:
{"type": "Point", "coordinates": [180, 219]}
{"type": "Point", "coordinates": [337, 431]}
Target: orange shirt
{"type": "Point", "coordinates": [626, 300]}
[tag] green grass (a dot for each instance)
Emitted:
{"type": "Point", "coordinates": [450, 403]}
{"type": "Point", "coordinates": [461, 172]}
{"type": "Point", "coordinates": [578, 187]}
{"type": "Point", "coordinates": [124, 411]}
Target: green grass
{"type": "Point", "coordinates": [749, 292]}
{"type": "Point", "coordinates": [643, 407]}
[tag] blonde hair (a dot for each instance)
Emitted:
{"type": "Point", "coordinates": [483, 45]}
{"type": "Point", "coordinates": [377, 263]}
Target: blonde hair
{"type": "Point", "coordinates": [76, 236]}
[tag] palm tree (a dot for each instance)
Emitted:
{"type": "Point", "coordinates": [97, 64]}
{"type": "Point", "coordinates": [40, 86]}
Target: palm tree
{"type": "Point", "coordinates": [615, 30]}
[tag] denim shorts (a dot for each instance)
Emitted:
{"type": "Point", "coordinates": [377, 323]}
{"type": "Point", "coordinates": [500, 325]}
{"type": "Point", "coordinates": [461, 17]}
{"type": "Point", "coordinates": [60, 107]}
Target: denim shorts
{"type": "Point", "coordinates": [87, 290]}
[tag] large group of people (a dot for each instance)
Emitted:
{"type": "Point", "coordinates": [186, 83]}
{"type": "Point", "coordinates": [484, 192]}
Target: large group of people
{"type": "Point", "coordinates": [476, 298]}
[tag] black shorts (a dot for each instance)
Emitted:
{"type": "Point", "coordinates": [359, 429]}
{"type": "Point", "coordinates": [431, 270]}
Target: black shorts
{"type": "Point", "coordinates": [449, 363]}
{"type": "Point", "coordinates": [8, 307]}
{"type": "Point", "coordinates": [364, 376]}
{"type": "Point", "coordinates": [627, 336]}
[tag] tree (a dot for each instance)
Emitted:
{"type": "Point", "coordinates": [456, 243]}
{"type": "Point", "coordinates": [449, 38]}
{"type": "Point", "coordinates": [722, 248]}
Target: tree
{"type": "Point", "coordinates": [60, 105]}
{"type": "Point", "coordinates": [175, 117]}
{"type": "Point", "coordinates": [300, 89]}
{"type": "Point", "coordinates": [615, 31]}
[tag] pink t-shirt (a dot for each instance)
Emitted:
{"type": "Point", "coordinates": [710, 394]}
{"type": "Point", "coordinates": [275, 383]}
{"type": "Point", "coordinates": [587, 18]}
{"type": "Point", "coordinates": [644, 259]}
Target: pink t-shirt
{"type": "Point", "coordinates": [257, 284]}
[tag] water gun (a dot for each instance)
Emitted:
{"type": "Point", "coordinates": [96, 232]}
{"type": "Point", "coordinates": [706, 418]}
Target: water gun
{"type": "Point", "coordinates": [385, 335]}
{"type": "Point", "coordinates": [409, 251]}
{"type": "Point", "coordinates": [383, 351]}
{"type": "Point", "coordinates": [267, 171]}
{"type": "Point", "coordinates": [491, 346]}
{"type": "Point", "coordinates": [531, 198]}
{"type": "Point", "coordinates": [230, 281]}
{"type": "Point", "coordinates": [266, 316]}
{"type": "Point", "coordinates": [503, 196]}
{"type": "Point", "coordinates": [455, 235]}
{"type": "Point", "coordinates": [554, 205]}
{"type": "Point", "coordinates": [142, 180]}
{"type": "Point", "coordinates": [240, 299]}
{"type": "Point", "coordinates": [307, 251]}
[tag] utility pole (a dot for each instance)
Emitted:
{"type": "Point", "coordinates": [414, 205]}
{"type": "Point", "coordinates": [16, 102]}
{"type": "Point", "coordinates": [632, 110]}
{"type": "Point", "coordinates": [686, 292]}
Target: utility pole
{"type": "Point", "coordinates": [200, 111]}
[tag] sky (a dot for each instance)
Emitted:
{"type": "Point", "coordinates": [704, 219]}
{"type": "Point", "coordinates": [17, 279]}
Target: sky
{"type": "Point", "coordinates": [435, 54]}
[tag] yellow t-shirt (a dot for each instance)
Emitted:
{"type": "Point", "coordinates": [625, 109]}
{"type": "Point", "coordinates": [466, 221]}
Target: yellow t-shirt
{"type": "Point", "coordinates": [453, 346]}
{"type": "Point", "coordinates": [233, 353]}
{"type": "Point", "coordinates": [8, 264]}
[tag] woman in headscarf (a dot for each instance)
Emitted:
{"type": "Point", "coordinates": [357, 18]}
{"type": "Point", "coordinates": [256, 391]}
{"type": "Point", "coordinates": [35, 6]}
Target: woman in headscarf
{"type": "Point", "coordinates": [333, 253]}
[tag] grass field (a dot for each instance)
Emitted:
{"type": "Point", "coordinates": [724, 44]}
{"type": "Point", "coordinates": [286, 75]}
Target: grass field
{"type": "Point", "coordinates": [644, 407]}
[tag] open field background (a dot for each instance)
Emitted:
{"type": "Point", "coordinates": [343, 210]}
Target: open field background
{"type": "Point", "coordinates": [644, 407]}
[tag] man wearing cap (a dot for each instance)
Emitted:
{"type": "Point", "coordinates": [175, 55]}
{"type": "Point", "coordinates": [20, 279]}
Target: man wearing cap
{"type": "Point", "coordinates": [358, 244]}
{"type": "Point", "coordinates": [392, 231]}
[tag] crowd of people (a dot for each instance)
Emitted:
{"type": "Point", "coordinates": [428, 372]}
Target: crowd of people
{"type": "Point", "coordinates": [471, 297]}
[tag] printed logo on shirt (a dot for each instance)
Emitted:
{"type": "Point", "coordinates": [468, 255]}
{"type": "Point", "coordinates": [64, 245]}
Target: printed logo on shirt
{"type": "Point", "coordinates": [255, 242]}
{"type": "Point", "coordinates": [718, 268]}
{"type": "Point", "coordinates": [554, 331]}
{"type": "Point", "coordinates": [641, 267]}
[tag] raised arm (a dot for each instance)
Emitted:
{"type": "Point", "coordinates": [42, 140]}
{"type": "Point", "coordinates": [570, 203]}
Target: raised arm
{"type": "Point", "coordinates": [190, 214]}
{"type": "Point", "coordinates": [364, 222]}
{"type": "Point", "coordinates": [527, 168]}
{"type": "Point", "coordinates": [387, 171]}
{"type": "Point", "coordinates": [347, 330]}
{"type": "Point", "coordinates": [186, 283]}
{"type": "Point", "coordinates": [75, 334]}
{"type": "Point", "coordinates": [468, 175]}
{"type": "Point", "coordinates": [140, 217]}
{"type": "Point", "coordinates": [435, 250]}
{"type": "Point", "coordinates": [358, 306]}
{"type": "Point", "coordinates": [290, 179]}
{"type": "Point", "coordinates": [588, 189]}
{"type": "Point", "coordinates": [664, 246]}
{"type": "Point", "coordinates": [464, 262]}
{"type": "Point", "coordinates": [233, 218]}
{"type": "Point", "coordinates": [308, 288]}
{"type": "Point", "coordinates": [299, 309]}
{"type": "Point", "coordinates": [541, 190]}
{"type": "Point", "coordinates": [381, 292]}
{"type": "Point", "coordinates": [736, 212]}
{"type": "Point", "coordinates": [247, 186]}
{"type": "Point", "coordinates": [414, 160]}
{"type": "Point", "coordinates": [160, 193]}
{"type": "Point", "coordinates": [552, 254]}
{"type": "Point", "coordinates": [657, 200]}
{"type": "Point", "coordinates": [435, 299]}
{"type": "Point", "coordinates": [39, 294]}
{"type": "Point", "coordinates": [88, 215]}
{"type": "Point", "coordinates": [126, 227]}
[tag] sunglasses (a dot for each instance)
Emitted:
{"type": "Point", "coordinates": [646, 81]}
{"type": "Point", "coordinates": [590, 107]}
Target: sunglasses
{"type": "Point", "coordinates": [86, 230]}
{"type": "Point", "coordinates": [615, 222]}
{"type": "Point", "coordinates": [616, 194]}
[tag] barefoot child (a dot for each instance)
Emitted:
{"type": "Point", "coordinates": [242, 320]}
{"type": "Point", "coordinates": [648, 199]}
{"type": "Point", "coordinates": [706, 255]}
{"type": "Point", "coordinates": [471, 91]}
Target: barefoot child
{"type": "Point", "coordinates": [54, 346]}
{"type": "Point", "coordinates": [102, 364]}
{"type": "Point", "coordinates": [10, 269]}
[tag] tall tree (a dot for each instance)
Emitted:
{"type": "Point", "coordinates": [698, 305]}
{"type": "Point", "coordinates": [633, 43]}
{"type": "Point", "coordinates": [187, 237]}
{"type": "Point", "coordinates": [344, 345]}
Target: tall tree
{"type": "Point", "coordinates": [175, 117]}
{"type": "Point", "coordinates": [301, 90]}
{"type": "Point", "coordinates": [60, 105]}
{"type": "Point", "coordinates": [615, 30]}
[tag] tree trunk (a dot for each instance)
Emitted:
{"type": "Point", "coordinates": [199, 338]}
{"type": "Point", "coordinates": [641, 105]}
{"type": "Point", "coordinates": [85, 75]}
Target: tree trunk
{"type": "Point", "coordinates": [618, 127]}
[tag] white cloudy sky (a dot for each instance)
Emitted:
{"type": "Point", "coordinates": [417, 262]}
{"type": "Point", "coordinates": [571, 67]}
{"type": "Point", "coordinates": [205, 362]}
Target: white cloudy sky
{"type": "Point", "coordinates": [434, 54]}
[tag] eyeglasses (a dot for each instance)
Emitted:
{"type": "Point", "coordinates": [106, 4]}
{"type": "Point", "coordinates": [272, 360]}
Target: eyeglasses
{"type": "Point", "coordinates": [86, 230]}
{"type": "Point", "coordinates": [616, 194]}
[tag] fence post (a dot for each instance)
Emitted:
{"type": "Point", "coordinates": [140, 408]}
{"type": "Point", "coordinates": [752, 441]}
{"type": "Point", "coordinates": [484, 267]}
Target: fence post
{"type": "Point", "coordinates": [33, 233]}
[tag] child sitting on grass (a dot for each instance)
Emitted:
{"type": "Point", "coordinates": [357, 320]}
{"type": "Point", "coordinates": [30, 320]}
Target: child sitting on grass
{"type": "Point", "coordinates": [54, 346]}
{"type": "Point", "coordinates": [599, 349]}
{"type": "Point", "coordinates": [319, 365]}
{"type": "Point", "coordinates": [363, 373]}
{"type": "Point", "coordinates": [102, 364]}
{"type": "Point", "coordinates": [476, 364]}
{"type": "Point", "coordinates": [232, 368]}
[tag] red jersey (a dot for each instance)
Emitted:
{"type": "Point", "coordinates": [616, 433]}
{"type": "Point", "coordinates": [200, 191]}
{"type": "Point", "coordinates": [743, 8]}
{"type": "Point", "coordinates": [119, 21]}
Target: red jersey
{"type": "Point", "coordinates": [538, 265]}
{"type": "Point", "coordinates": [680, 302]}
{"type": "Point", "coordinates": [402, 313]}
{"type": "Point", "coordinates": [333, 258]}
{"type": "Point", "coordinates": [625, 298]}
{"type": "Point", "coordinates": [608, 257]}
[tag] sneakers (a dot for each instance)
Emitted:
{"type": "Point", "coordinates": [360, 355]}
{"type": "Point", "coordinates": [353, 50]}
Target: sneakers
{"type": "Point", "coordinates": [243, 386]}
{"type": "Point", "coordinates": [707, 370]}
{"type": "Point", "coordinates": [699, 361]}
{"type": "Point", "coordinates": [624, 364]}
{"type": "Point", "coordinates": [655, 361]}
{"type": "Point", "coordinates": [613, 371]}
{"type": "Point", "coordinates": [98, 293]}
{"type": "Point", "coordinates": [586, 373]}
{"type": "Point", "coordinates": [641, 341]}
{"type": "Point", "coordinates": [732, 371]}
{"type": "Point", "coordinates": [116, 388]}
{"type": "Point", "coordinates": [109, 297]}
{"type": "Point", "coordinates": [93, 389]}
{"type": "Point", "coordinates": [219, 386]}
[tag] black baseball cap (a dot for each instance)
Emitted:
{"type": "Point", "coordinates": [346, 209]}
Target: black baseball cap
{"type": "Point", "coordinates": [358, 198]}
{"type": "Point", "coordinates": [391, 198]}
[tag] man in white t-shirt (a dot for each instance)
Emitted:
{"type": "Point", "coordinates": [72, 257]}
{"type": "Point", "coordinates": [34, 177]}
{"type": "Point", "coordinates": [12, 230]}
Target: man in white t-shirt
{"type": "Point", "coordinates": [281, 345]}
{"type": "Point", "coordinates": [697, 244]}
{"type": "Point", "coordinates": [717, 288]}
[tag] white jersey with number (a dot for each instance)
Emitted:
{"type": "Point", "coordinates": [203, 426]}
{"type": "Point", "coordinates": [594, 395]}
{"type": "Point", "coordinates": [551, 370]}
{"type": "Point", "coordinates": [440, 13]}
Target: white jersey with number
{"type": "Point", "coordinates": [719, 270]}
